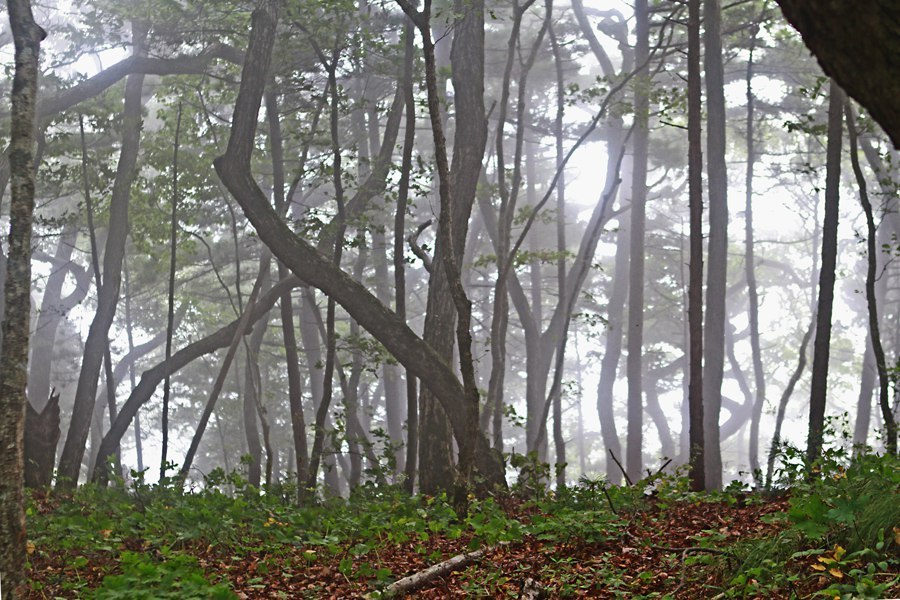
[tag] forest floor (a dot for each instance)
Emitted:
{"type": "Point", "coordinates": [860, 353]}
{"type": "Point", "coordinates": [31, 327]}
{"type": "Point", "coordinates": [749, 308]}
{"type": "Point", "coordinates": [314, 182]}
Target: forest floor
{"type": "Point", "coordinates": [837, 537]}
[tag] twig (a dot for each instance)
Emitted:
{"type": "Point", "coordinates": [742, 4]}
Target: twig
{"type": "Point", "coordinates": [621, 468]}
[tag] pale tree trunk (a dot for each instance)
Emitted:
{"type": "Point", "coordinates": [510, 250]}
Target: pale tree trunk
{"type": "Point", "coordinates": [759, 376]}
{"type": "Point", "coordinates": [509, 194]}
{"type": "Point", "coordinates": [864, 402]}
{"type": "Point", "coordinates": [609, 365]}
{"type": "Point", "coordinates": [17, 298]}
{"type": "Point", "coordinates": [822, 345]}
{"type": "Point", "coordinates": [717, 270]}
{"type": "Point", "coordinates": [108, 295]}
{"type": "Point", "coordinates": [51, 314]}
{"type": "Point", "coordinates": [696, 409]}
{"type": "Point", "coordinates": [561, 258]}
{"type": "Point", "coordinates": [129, 334]}
{"type": "Point", "coordinates": [634, 366]}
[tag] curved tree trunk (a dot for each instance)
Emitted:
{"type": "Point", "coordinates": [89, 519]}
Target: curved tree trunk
{"type": "Point", "coordinates": [108, 295]}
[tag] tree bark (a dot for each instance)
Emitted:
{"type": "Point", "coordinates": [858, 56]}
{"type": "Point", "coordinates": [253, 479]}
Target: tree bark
{"type": "Point", "coordinates": [759, 376]}
{"type": "Point", "coordinates": [822, 346]}
{"type": "Point", "coordinates": [857, 43]}
{"type": "Point", "coordinates": [27, 36]}
{"type": "Point", "coordinates": [696, 409]}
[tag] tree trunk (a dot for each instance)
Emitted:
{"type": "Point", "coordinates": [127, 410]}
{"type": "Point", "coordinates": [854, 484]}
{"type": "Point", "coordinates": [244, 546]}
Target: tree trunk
{"type": "Point", "coordinates": [152, 377]}
{"type": "Point", "coordinates": [759, 376]}
{"type": "Point", "coordinates": [696, 409]}
{"type": "Point", "coordinates": [857, 43]}
{"type": "Point", "coordinates": [170, 314]}
{"type": "Point", "coordinates": [890, 426]}
{"type": "Point", "coordinates": [27, 36]}
{"type": "Point", "coordinates": [108, 295]}
{"type": "Point", "coordinates": [467, 59]}
{"type": "Point", "coordinates": [317, 270]}
{"type": "Point", "coordinates": [717, 271]}
{"type": "Point", "coordinates": [822, 346]}
{"type": "Point", "coordinates": [634, 368]}
{"type": "Point", "coordinates": [412, 408]}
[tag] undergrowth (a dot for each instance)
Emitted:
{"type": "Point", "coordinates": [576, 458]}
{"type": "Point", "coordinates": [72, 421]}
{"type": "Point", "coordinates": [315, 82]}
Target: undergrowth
{"type": "Point", "coordinates": [837, 535]}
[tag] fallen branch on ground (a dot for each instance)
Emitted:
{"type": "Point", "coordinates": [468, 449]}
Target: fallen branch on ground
{"type": "Point", "coordinates": [417, 580]}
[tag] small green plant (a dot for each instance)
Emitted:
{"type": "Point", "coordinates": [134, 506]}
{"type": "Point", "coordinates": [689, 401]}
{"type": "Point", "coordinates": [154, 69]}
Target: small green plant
{"type": "Point", "coordinates": [178, 576]}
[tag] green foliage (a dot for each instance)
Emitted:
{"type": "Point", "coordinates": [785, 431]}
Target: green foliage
{"type": "Point", "coordinates": [841, 524]}
{"type": "Point", "coordinates": [178, 576]}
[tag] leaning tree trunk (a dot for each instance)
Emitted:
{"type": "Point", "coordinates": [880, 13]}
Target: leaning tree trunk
{"type": "Point", "coordinates": [822, 345]}
{"type": "Point", "coordinates": [857, 43]}
{"type": "Point", "coordinates": [108, 295]}
{"type": "Point", "coordinates": [17, 298]}
{"type": "Point", "coordinates": [305, 261]}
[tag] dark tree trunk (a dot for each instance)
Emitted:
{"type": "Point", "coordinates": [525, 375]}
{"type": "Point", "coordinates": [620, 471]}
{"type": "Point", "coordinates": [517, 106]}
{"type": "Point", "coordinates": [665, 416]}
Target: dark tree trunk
{"type": "Point", "coordinates": [467, 59]}
{"type": "Point", "coordinates": [822, 346]}
{"type": "Point", "coordinates": [41, 437]}
{"type": "Point", "coordinates": [412, 407]}
{"type": "Point", "coordinates": [696, 411]}
{"type": "Point", "coordinates": [857, 43]}
{"type": "Point", "coordinates": [303, 259]}
{"type": "Point", "coordinates": [27, 36]}
{"type": "Point", "coordinates": [890, 426]}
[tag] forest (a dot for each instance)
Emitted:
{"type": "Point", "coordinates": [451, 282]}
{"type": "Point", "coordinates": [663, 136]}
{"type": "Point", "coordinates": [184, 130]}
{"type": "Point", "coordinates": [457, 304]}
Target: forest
{"type": "Point", "coordinates": [453, 298]}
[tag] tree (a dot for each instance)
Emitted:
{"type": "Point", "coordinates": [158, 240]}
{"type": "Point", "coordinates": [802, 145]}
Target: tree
{"type": "Point", "coordinates": [696, 447]}
{"type": "Point", "coordinates": [717, 270]}
{"type": "Point", "coordinates": [822, 344]}
{"type": "Point", "coordinates": [634, 458]}
{"type": "Point", "coordinates": [27, 36]}
{"type": "Point", "coordinates": [108, 294]}
{"type": "Point", "coordinates": [311, 266]}
{"type": "Point", "coordinates": [857, 43]}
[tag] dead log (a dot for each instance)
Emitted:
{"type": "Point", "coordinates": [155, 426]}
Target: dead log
{"type": "Point", "coordinates": [415, 581]}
